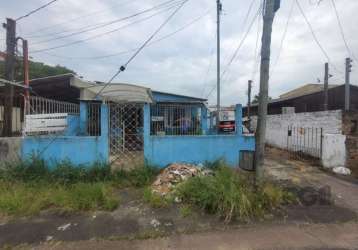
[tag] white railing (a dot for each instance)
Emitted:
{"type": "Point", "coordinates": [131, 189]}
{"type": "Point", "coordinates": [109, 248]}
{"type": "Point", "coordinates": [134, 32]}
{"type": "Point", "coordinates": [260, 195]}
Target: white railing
{"type": "Point", "coordinates": [40, 105]}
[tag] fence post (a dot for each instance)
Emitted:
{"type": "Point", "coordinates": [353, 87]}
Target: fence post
{"type": "Point", "coordinates": [204, 120]}
{"type": "Point", "coordinates": [238, 119]}
{"type": "Point", "coordinates": [146, 130]}
{"type": "Point", "coordinates": [83, 117]}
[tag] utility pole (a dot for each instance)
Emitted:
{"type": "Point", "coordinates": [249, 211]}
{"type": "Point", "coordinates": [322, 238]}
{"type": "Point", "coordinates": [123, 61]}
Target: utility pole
{"type": "Point", "coordinates": [10, 27]}
{"type": "Point", "coordinates": [270, 6]}
{"type": "Point", "coordinates": [249, 104]}
{"type": "Point", "coordinates": [218, 13]}
{"type": "Point", "coordinates": [347, 95]}
{"type": "Point", "coordinates": [25, 47]}
{"type": "Point", "coordinates": [326, 77]}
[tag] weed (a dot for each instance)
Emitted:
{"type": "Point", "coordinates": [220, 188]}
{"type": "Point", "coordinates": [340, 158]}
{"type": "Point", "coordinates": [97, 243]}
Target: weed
{"type": "Point", "coordinates": [155, 200]}
{"type": "Point", "coordinates": [185, 211]}
{"type": "Point", "coordinates": [138, 177]}
{"type": "Point", "coordinates": [30, 198]}
{"type": "Point", "coordinates": [230, 195]}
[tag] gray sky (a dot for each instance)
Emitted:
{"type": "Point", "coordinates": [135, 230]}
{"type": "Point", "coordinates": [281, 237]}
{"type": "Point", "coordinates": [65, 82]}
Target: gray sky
{"type": "Point", "coordinates": [181, 63]}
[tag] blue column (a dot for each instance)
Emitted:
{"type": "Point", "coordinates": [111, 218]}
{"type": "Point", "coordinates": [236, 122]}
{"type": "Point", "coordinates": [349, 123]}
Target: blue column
{"type": "Point", "coordinates": [204, 120]}
{"type": "Point", "coordinates": [146, 131]}
{"type": "Point", "coordinates": [83, 118]}
{"type": "Point", "coordinates": [104, 138]}
{"type": "Point", "coordinates": [238, 119]}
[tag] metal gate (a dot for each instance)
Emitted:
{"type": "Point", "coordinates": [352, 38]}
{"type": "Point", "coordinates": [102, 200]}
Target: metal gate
{"type": "Point", "coordinates": [126, 135]}
{"type": "Point", "coordinates": [304, 142]}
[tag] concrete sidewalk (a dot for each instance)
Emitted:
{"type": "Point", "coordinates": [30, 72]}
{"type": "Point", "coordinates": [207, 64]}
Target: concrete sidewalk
{"type": "Point", "coordinates": [328, 236]}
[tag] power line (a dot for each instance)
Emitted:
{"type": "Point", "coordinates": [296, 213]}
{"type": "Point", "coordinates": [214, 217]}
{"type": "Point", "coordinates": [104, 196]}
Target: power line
{"type": "Point", "coordinates": [257, 51]}
{"type": "Point", "coordinates": [105, 24]}
{"type": "Point", "coordinates": [73, 19]}
{"type": "Point", "coordinates": [239, 46]}
{"type": "Point", "coordinates": [134, 49]}
{"type": "Point", "coordinates": [35, 10]}
{"type": "Point", "coordinates": [315, 37]}
{"type": "Point", "coordinates": [283, 37]}
{"type": "Point", "coordinates": [99, 35]}
{"type": "Point", "coordinates": [341, 30]}
{"type": "Point", "coordinates": [123, 67]}
{"type": "Point", "coordinates": [205, 82]}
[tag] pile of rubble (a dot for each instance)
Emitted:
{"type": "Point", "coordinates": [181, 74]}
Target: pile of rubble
{"type": "Point", "coordinates": [174, 174]}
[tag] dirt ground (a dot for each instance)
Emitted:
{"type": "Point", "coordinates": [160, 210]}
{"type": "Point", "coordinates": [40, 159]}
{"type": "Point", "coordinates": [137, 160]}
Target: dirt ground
{"type": "Point", "coordinates": [134, 221]}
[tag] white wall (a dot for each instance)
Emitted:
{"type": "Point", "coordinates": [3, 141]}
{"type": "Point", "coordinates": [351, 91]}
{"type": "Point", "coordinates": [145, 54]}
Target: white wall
{"type": "Point", "coordinates": [277, 125]}
{"type": "Point", "coordinates": [334, 150]}
{"type": "Point", "coordinates": [333, 144]}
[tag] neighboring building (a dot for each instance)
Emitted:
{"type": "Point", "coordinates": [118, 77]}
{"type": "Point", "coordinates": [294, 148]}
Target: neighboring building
{"type": "Point", "coordinates": [2, 56]}
{"type": "Point", "coordinates": [310, 98]}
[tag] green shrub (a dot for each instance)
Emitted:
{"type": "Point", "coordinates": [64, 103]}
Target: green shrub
{"type": "Point", "coordinates": [185, 211]}
{"type": "Point", "coordinates": [138, 177]}
{"type": "Point", "coordinates": [155, 200]}
{"type": "Point", "coordinates": [230, 195]}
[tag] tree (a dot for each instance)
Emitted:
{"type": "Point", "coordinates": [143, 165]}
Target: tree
{"type": "Point", "coordinates": [37, 70]}
{"type": "Point", "coordinates": [256, 99]}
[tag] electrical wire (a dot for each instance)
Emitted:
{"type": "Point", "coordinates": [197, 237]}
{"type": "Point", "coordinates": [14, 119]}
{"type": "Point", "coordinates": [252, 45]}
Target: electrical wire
{"type": "Point", "coordinates": [35, 10]}
{"type": "Point", "coordinates": [233, 57]}
{"type": "Point", "coordinates": [99, 35]}
{"type": "Point", "coordinates": [109, 8]}
{"type": "Point", "coordinates": [123, 67]}
{"type": "Point", "coordinates": [350, 52]}
{"type": "Point", "coordinates": [315, 37]}
{"type": "Point", "coordinates": [105, 24]}
{"type": "Point", "coordinates": [283, 37]}
{"type": "Point", "coordinates": [205, 82]}
{"type": "Point", "coordinates": [134, 49]}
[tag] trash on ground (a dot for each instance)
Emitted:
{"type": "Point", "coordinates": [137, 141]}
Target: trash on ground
{"type": "Point", "coordinates": [155, 223]}
{"type": "Point", "coordinates": [342, 170]}
{"type": "Point", "coordinates": [64, 227]}
{"type": "Point", "coordinates": [175, 174]}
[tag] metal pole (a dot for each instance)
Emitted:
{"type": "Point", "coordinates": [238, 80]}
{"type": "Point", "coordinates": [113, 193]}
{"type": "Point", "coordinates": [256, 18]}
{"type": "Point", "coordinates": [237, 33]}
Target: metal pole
{"type": "Point", "coordinates": [26, 74]}
{"type": "Point", "coordinates": [269, 14]}
{"type": "Point", "coordinates": [218, 13]}
{"type": "Point", "coordinates": [326, 76]}
{"type": "Point", "coordinates": [347, 84]}
{"type": "Point", "coordinates": [249, 104]}
{"type": "Point", "coordinates": [10, 27]}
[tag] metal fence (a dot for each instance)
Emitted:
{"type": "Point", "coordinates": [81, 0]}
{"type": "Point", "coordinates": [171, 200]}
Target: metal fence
{"type": "Point", "coordinates": [94, 119]}
{"type": "Point", "coordinates": [40, 105]}
{"type": "Point", "coordinates": [175, 119]}
{"type": "Point", "coordinates": [304, 142]}
{"type": "Point", "coordinates": [126, 134]}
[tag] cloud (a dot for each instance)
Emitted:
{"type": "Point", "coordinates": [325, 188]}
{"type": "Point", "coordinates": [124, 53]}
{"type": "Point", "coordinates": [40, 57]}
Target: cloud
{"type": "Point", "coordinates": [180, 64]}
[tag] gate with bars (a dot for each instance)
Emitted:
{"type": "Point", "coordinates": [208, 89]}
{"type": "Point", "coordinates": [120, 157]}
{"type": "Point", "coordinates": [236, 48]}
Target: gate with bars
{"type": "Point", "coordinates": [303, 142]}
{"type": "Point", "coordinates": [126, 135]}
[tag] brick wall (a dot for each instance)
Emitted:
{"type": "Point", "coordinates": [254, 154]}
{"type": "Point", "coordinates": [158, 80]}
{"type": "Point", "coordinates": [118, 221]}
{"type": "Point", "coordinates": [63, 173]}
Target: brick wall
{"type": "Point", "coordinates": [350, 123]}
{"type": "Point", "coordinates": [350, 129]}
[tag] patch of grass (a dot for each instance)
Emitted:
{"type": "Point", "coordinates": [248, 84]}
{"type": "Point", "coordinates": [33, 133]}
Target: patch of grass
{"type": "Point", "coordinates": [141, 176]}
{"type": "Point", "coordinates": [155, 200]}
{"type": "Point", "coordinates": [30, 198]}
{"type": "Point", "coordinates": [185, 211]}
{"type": "Point", "coordinates": [230, 195]}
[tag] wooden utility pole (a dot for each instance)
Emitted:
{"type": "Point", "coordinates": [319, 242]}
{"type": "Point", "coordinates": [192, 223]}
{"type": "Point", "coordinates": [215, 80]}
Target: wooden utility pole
{"type": "Point", "coordinates": [218, 13]}
{"type": "Point", "coordinates": [25, 47]}
{"type": "Point", "coordinates": [10, 27]}
{"type": "Point", "coordinates": [270, 6]}
{"type": "Point", "coordinates": [326, 78]}
{"type": "Point", "coordinates": [249, 104]}
{"type": "Point", "coordinates": [347, 94]}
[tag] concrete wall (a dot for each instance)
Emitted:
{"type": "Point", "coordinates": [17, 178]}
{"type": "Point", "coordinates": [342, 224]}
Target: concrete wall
{"type": "Point", "coordinates": [333, 150]}
{"type": "Point", "coordinates": [10, 149]}
{"type": "Point", "coordinates": [163, 150]}
{"type": "Point", "coordinates": [277, 125]}
{"type": "Point", "coordinates": [80, 150]}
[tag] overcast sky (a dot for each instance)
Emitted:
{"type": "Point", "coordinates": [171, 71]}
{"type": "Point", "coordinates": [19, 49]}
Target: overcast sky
{"type": "Point", "coordinates": [185, 63]}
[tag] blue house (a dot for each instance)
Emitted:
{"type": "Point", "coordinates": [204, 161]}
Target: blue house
{"type": "Point", "coordinates": [127, 125]}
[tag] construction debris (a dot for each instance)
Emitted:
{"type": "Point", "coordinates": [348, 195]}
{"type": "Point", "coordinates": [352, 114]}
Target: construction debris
{"type": "Point", "coordinates": [175, 174]}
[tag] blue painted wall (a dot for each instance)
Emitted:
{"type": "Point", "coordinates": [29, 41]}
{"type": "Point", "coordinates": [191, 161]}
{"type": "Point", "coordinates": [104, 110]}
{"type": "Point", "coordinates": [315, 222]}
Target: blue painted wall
{"type": "Point", "coordinates": [73, 125]}
{"type": "Point", "coordinates": [163, 150]}
{"type": "Point", "coordinates": [80, 150]}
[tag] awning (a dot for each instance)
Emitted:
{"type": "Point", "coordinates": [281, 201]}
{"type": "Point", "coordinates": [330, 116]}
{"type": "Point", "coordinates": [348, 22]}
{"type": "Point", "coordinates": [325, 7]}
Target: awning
{"type": "Point", "coordinates": [115, 92]}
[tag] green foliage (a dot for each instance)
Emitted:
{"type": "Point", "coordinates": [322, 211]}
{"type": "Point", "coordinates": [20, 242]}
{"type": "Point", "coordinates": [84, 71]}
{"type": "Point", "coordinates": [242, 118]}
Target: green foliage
{"type": "Point", "coordinates": [140, 176]}
{"type": "Point", "coordinates": [155, 200]}
{"type": "Point", "coordinates": [30, 198]}
{"type": "Point", "coordinates": [36, 70]}
{"type": "Point", "coordinates": [185, 211]}
{"type": "Point", "coordinates": [230, 195]}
